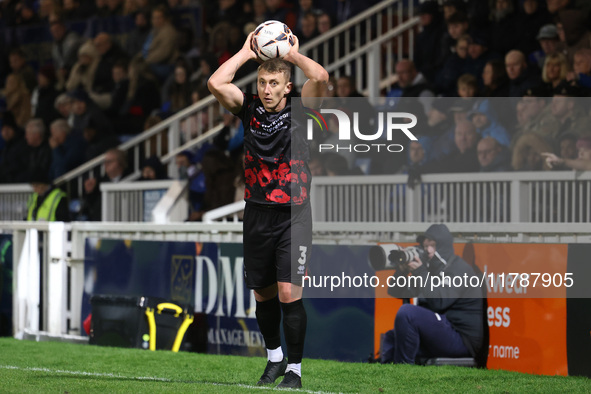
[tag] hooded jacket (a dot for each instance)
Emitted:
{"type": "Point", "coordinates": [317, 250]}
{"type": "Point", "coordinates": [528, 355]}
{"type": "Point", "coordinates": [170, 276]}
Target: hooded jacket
{"type": "Point", "coordinates": [463, 306]}
{"type": "Point", "coordinates": [493, 128]}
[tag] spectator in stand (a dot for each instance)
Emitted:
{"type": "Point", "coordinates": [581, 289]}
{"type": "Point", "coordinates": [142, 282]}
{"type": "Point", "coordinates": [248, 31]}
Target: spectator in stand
{"type": "Point", "coordinates": [494, 79]}
{"type": "Point", "coordinates": [411, 83]}
{"type": "Point", "coordinates": [191, 172]}
{"type": "Point", "coordinates": [573, 33]}
{"type": "Point", "coordinates": [549, 42]}
{"type": "Point", "coordinates": [520, 75]}
{"type": "Point", "coordinates": [71, 11]}
{"type": "Point", "coordinates": [103, 84]}
{"type": "Point", "coordinates": [467, 86]}
{"type": "Point", "coordinates": [26, 15]}
{"type": "Point", "coordinates": [454, 66]}
{"type": "Point", "coordinates": [259, 12]}
{"type": "Point", "coordinates": [38, 152]}
{"type": "Point", "coordinates": [281, 10]}
{"type": "Point", "coordinates": [18, 99]}
{"type": "Point", "coordinates": [143, 97]}
{"type": "Point", "coordinates": [82, 74]}
{"type": "Point", "coordinates": [44, 96]}
{"type": "Point", "coordinates": [86, 112]}
{"type": "Point", "coordinates": [465, 159]}
{"type": "Point", "coordinates": [46, 8]}
{"type": "Point", "coordinates": [18, 64]}
{"type": "Point", "coordinates": [346, 9]}
{"type": "Point", "coordinates": [153, 170]}
{"type": "Point", "coordinates": [571, 116]}
{"type": "Point", "coordinates": [555, 70]}
{"type": "Point", "coordinates": [64, 106]}
{"type": "Point", "coordinates": [219, 42]}
{"type": "Point", "coordinates": [119, 94]}
{"type": "Point", "coordinates": [581, 73]}
{"type": "Point", "coordinates": [178, 96]}
{"type": "Point", "coordinates": [305, 7]}
{"type": "Point", "coordinates": [160, 48]}
{"type": "Point", "coordinates": [207, 65]}
{"type": "Point", "coordinates": [419, 155]}
{"type": "Point", "coordinates": [534, 116]}
{"type": "Point", "coordinates": [47, 203]}
{"type": "Point", "coordinates": [307, 32]}
{"type": "Point", "coordinates": [581, 163]}
{"type": "Point", "coordinates": [478, 55]}
{"type": "Point", "coordinates": [450, 7]}
{"type": "Point", "coordinates": [139, 34]}
{"type": "Point", "coordinates": [457, 26]}
{"type": "Point", "coordinates": [504, 27]}
{"type": "Point", "coordinates": [485, 120]}
{"type": "Point", "coordinates": [219, 174]}
{"type": "Point", "coordinates": [531, 19]}
{"type": "Point", "coordinates": [13, 156]}
{"type": "Point", "coordinates": [223, 11]}
{"type": "Point", "coordinates": [195, 125]}
{"type": "Point", "coordinates": [568, 146]}
{"type": "Point", "coordinates": [427, 49]}
{"type": "Point", "coordinates": [115, 171]}
{"type": "Point", "coordinates": [115, 7]}
{"type": "Point", "coordinates": [67, 148]}
{"type": "Point", "coordinates": [527, 153]}
{"type": "Point", "coordinates": [101, 8]}
{"type": "Point", "coordinates": [441, 128]}
{"type": "Point", "coordinates": [492, 156]}
{"type": "Point", "coordinates": [554, 6]}
{"type": "Point", "coordinates": [64, 49]}
{"type": "Point", "coordinates": [324, 23]}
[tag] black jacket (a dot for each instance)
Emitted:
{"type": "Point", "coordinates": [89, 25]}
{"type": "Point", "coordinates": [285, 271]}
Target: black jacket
{"type": "Point", "coordinates": [463, 306]}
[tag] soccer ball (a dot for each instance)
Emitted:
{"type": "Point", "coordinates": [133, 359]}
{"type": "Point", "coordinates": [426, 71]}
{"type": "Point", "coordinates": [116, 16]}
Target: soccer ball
{"type": "Point", "coordinates": [272, 39]}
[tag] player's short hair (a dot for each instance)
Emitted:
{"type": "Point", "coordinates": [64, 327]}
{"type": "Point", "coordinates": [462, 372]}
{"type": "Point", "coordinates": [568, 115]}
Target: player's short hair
{"type": "Point", "coordinates": [276, 65]}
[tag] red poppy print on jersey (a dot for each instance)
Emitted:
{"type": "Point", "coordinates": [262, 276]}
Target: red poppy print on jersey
{"type": "Point", "coordinates": [278, 196]}
{"type": "Point", "coordinates": [250, 177]}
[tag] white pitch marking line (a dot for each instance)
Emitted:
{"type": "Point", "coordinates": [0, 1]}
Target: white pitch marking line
{"type": "Point", "coordinates": [149, 378]}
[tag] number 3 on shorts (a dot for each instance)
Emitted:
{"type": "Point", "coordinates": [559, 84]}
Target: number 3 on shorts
{"type": "Point", "coordinates": [302, 259]}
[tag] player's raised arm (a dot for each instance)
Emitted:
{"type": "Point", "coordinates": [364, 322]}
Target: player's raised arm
{"type": "Point", "coordinates": [220, 83]}
{"type": "Point", "coordinates": [317, 76]}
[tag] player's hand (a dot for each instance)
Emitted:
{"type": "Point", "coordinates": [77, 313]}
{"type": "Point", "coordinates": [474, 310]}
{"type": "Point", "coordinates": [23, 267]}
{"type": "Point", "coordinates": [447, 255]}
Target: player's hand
{"type": "Point", "coordinates": [294, 50]}
{"type": "Point", "coordinates": [552, 159]}
{"type": "Point", "coordinates": [247, 47]}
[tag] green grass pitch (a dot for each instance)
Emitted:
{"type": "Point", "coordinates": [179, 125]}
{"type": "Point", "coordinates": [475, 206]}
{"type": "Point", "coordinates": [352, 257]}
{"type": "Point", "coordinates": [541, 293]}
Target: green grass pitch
{"type": "Point", "coordinates": [52, 367]}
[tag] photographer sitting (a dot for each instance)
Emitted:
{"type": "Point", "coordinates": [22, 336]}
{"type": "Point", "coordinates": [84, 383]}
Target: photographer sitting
{"type": "Point", "coordinates": [448, 321]}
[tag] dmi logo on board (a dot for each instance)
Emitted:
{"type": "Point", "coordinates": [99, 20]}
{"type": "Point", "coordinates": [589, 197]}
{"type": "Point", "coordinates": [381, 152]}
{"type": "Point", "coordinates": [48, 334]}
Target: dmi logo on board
{"type": "Point", "coordinates": [388, 122]}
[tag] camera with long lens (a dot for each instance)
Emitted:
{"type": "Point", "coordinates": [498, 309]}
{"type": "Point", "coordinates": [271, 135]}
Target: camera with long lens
{"type": "Point", "coordinates": [392, 256]}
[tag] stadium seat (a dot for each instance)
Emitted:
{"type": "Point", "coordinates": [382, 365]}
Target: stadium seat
{"type": "Point", "coordinates": [459, 362]}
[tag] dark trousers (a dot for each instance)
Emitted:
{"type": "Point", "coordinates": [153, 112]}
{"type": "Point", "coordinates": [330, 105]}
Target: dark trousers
{"type": "Point", "coordinates": [420, 332]}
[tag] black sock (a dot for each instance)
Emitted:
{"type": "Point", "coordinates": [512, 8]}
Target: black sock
{"type": "Point", "coordinates": [294, 328]}
{"type": "Point", "coordinates": [269, 318]}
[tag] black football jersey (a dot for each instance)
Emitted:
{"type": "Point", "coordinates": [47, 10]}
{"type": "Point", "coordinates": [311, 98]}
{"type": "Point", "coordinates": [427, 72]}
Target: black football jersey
{"type": "Point", "coordinates": [276, 155]}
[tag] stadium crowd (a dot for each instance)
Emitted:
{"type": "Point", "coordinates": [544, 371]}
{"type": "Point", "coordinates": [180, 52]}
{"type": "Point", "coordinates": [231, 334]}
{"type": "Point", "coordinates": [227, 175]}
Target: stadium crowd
{"type": "Point", "coordinates": [498, 83]}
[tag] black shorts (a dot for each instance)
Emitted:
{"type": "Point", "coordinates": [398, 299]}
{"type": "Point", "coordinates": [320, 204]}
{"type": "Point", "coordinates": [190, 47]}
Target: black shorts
{"type": "Point", "coordinates": [277, 244]}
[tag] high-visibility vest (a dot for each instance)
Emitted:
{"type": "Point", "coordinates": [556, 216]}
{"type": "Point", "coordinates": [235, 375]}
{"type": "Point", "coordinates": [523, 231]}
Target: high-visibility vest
{"type": "Point", "coordinates": [46, 212]}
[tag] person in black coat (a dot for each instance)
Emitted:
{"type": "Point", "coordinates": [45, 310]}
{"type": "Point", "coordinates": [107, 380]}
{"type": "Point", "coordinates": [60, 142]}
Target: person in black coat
{"type": "Point", "coordinates": [428, 45]}
{"type": "Point", "coordinates": [38, 152]}
{"type": "Point", "coordinates": [13, 156]}
{"type": "Point", "coordinates": [465, 159]}
{"type": "Point", "coordinates": [449, 320]}
{"type": "Point", "coordinates": [44, 95]}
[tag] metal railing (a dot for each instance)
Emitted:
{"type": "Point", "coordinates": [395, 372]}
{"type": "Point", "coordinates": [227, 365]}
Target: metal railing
{"type": "Point", "coordinates": [516, 197]}
{"type": "Point", "coordinates": [13, 201]}
{"type": "Point", "coordinates": [365, 46]}
{"type": "Point", "coordinates": [134, 201]}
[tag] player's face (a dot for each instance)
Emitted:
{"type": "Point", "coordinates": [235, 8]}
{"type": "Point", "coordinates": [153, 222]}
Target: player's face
{"type": "Point", "coordinates": [272, 89]}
